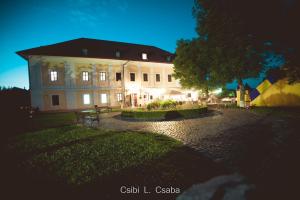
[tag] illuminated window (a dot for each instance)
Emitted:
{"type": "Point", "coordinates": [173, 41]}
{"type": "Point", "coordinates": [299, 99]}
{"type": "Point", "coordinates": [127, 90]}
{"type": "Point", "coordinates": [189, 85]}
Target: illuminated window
{"type": "Point", "coordinates": [118, 54]}
{"type": "Point", "coordinates": [144, 56]}
{"type": "Point", "coordinates": [132, 76]}
{"type": "Point", "coordinates": [157, 77]}
{"type": "Point", "coordinates": [55, 100]}
{"type": "Point", "coordinates": [102, 76]}
{"type": "Point", "coordinates": [53, 75]}
{"type": "Point", "coordinates": [85, 76]}
{"type": "Point", "coordinates": [119, 96]}
{"type": "Point", "coordinates": [86, 99]}
{"type": "Point", "coordinates": [118, 76]}
{"type": "Point", "coordinates": [103, 98]}
{"type": "Point", "coordinates": [169, 78]}
{"type": "Point", "coordinates": [145, 77]}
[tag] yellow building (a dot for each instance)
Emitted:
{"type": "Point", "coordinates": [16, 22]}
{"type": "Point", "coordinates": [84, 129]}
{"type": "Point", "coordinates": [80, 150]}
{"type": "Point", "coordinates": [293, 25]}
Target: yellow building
{"type": "Point", "coordinates": [81, 73]}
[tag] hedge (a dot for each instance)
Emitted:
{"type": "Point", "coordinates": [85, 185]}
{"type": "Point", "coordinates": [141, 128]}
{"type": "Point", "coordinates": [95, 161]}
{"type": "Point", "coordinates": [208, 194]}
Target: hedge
{"type": "Point", "coordinates": [163, 114]}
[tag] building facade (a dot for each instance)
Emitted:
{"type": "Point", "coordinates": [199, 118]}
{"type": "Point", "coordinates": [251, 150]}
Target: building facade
{"type": "Point", "coordinates": [79, 74]}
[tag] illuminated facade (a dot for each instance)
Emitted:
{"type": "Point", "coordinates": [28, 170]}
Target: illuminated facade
{"type": "Point", "coordinates": [79, 74]}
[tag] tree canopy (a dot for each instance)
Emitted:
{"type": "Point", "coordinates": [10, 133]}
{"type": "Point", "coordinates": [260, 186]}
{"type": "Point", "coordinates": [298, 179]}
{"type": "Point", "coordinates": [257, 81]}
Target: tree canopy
{"type": "Point", "coordinates": [233, 37]}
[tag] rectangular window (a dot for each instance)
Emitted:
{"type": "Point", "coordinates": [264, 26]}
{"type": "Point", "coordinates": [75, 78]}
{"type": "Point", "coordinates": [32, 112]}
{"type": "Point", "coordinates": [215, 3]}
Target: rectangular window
{"type": "Point", "coordinates": [103, 98]}
{"type": "Point", "coordinates": [85, 76]}
{"type": "Point", "coordinates": [144, 56]}
{"type": "Point", "coordinates": [169, 58]}
{"type": "Point", "coordinates": [151, 97]}
{"type": "Point", "coordinates": [86, 99]}
{"type": "Point", "coordinates": [53, 75]}
{"type": "Point", "coordinates": [157, 77]}
{"type": "Point", "coordinates": [189, 95]}
{"type": "Point", "coordinates": [132, 76]}
{"type": "Point", "coordinates": [118, 76]}
{"type": "Point", "coordinates": [145, 77]}
{"type": "Point", "coordinates": [169, 78]}
{"type": "Point", "coordinates": [119, 96]}
{"type": "Point", "coordinates": [102, 76]}
{"type": "Point", "coordinates": [55, 100]}
{"type": "Point", "coordinates": [118, 54]}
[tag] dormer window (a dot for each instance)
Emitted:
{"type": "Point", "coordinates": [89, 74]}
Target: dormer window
{"type": "Point", "coordinates": [84, 52]}
{"type": "Point", "coordinates": [144, 56]}
{"type": "Point", "coordinates": [118, 54]}
{"type": "Point", "coordinates": [168, 58]}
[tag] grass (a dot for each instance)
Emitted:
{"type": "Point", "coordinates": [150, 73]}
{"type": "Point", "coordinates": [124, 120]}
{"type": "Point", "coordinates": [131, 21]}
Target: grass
{"type": "Point", "coordinates": [93, 153]}
{"type": "Point", "coordinates": [46, 120]}
{"type": "Point", "coordinates": [164, 114]}
{"type": "Point", "coordinates": [47, 138]}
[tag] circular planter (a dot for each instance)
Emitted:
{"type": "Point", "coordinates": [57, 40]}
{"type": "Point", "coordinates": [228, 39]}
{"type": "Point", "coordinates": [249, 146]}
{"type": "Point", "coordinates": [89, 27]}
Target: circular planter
{"type": "Point", "coordinates": [163, 114]}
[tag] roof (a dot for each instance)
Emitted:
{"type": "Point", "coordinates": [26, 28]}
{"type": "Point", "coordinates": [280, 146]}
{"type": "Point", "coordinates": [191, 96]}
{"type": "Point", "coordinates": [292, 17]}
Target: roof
{"type": "Point", "coordinates": [93, 48]}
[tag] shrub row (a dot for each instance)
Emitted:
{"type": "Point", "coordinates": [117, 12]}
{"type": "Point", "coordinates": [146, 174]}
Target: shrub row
{"type": "Point", "coordinates": [164, 105]}
{"type": "Point", "coordinates": [164, 114]}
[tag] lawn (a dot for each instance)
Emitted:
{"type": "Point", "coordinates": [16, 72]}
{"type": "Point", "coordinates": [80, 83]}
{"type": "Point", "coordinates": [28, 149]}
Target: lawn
{"type": "Point", "coordinates": [42, 120]}
{"type": "Point", "coordinates": [78, 155]}
{"type": "Point", "coordinates": [47, 120]}
{"type": "Point", "coordinates": [76, 160]}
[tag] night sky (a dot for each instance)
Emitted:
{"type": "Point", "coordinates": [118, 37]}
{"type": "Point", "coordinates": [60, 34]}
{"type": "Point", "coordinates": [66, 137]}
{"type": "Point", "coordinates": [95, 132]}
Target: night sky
{"type": "Point", "coordinates": [32, 23]}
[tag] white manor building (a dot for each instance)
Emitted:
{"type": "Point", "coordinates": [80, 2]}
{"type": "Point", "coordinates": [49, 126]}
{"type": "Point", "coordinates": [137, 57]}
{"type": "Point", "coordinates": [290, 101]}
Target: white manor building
{"type": "Point", "coordinates": [81, 73]}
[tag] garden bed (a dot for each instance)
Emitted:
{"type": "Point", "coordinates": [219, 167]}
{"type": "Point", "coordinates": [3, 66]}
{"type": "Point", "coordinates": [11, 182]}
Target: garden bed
{"type": "Point", "coordinates": [163, 114]}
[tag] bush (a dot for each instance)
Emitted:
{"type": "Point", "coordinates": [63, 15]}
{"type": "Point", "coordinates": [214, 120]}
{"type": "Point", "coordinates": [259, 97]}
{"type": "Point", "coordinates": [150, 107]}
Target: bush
{"type": "Point", "coordinates": [164, 114]}
{"type": "Point", "coordinates": [138, 114]}
{"type": "Point", "coordinates": [172, 114]}
{"type": "Point", "coordinates": [153, 105]}
{"type": "Point", "coordinates": [190, 113]}
{"type": "Point", "coordinates": [167, 104]}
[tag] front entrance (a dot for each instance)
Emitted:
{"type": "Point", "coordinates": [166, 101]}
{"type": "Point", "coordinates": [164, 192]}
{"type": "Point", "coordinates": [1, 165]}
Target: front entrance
{"type": "Point", "coordinates": [134, 100]}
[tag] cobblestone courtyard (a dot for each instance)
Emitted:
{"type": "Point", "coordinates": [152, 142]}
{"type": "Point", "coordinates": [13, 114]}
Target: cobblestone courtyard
{"type": "Point", "coordinates": [196, 133]}
{"type": "Point", "coordinates": [263, 147]}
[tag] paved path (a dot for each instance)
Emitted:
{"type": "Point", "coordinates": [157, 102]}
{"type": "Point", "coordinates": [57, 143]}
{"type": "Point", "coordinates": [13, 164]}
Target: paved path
{"type": "Point", "coordinates": [261, 147]}
{"type": "Point", "coordinates": [189, 131]}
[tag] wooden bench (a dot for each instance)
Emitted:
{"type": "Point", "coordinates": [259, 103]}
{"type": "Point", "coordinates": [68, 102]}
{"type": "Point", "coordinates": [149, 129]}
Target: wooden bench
{"type": "Point", "coordinates": [103, 108]}
{"type": "Point", "coordinates": [81, 117]}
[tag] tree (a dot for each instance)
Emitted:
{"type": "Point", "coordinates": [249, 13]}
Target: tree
{"type": "Point", "coordinates": [191, 65]}
{"type": "Point", "coordinates": [221, 53]}
{"type": "Point", "coordinates": [269, 25]}
{"type": "Point", "coordinates": [234, 53]}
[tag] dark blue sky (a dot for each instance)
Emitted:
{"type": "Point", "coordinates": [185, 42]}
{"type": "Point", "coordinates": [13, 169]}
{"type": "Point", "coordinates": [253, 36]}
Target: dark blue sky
{"type": "Point", "coordinates": [32, 23]}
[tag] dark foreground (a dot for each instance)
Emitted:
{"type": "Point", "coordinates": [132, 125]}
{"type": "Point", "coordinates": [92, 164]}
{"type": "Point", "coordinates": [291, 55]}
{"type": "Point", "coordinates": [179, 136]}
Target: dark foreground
{"type": "Point", "coordinates": [264, 151]}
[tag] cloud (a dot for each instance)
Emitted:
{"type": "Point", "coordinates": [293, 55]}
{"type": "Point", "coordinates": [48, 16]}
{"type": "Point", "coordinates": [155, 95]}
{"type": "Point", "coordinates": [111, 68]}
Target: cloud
{"type": "Point", "coordinates": [95, 12]}
{"type": "Point", "coordinates": [82, 17]}
{"type": "Point", "coordinates": [121, 6]}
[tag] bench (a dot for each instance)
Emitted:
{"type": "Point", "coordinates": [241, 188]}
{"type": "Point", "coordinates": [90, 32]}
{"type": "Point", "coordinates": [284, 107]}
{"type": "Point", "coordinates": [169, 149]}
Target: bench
{"type": "Point", "coordinates": [103, 108]}
{"type": "Point", "coordinates": [82, 116]}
